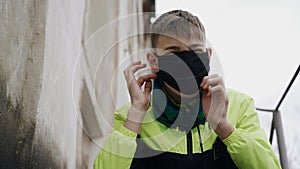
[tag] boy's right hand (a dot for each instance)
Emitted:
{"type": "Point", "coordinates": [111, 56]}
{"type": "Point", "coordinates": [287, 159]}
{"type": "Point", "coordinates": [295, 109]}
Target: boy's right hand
{"type": "Point", "coordinates": [140, 100]}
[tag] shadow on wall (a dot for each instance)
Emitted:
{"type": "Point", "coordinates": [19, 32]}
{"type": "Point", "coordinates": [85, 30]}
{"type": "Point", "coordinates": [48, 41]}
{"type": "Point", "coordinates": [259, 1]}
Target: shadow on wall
{"type": "Point", "coordinates": [18, 147]}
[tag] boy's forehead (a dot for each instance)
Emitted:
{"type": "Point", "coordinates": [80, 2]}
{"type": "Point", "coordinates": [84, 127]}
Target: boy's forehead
{"type": "Point", "coordinates": [164, 41]}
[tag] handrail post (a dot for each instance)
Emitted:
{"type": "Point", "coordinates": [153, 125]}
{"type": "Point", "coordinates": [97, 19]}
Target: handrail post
{"type": "Point", "coordinates": [280, 139]}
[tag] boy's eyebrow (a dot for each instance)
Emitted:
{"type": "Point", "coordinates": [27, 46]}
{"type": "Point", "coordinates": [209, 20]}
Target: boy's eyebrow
{"type": "Point", "coordinates": [174, 47]}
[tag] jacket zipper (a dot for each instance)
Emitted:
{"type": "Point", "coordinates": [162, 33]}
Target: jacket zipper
{"type": "Point", "coordinates": [190, 147]}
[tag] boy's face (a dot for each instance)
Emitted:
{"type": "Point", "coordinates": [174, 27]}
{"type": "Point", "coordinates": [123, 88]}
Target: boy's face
{"type": "Point", "coordinates": [167, 44]}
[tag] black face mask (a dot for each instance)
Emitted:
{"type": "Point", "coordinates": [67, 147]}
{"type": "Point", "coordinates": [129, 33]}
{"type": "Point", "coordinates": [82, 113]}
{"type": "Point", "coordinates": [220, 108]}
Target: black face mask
{"type": "Point", "coordinates": [184, 70]}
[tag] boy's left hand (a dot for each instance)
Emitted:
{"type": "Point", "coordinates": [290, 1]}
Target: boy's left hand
{"type": "Point", "coordinates": [215, 103]}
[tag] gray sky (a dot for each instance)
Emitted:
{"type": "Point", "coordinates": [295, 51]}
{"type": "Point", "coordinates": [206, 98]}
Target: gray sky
{"type": "Point", "coordinates": [257, 42]}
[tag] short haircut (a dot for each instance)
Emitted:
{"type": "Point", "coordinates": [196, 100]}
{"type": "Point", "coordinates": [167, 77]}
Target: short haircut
{"type": "Point", "coordinates": [179, 24]}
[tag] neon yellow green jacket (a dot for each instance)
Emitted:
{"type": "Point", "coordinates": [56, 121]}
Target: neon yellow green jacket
{"type": "Point", "coordinates": [248, 145]}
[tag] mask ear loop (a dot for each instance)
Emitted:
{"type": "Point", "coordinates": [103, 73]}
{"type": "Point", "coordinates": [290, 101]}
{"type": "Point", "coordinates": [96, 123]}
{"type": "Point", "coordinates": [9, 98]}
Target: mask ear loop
{"type": "Point", "coordinates": [154, 52]}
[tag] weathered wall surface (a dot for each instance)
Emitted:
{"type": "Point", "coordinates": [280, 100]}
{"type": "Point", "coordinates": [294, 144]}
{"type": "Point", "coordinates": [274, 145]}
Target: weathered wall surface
{"type": "Point", "coordinates": [57, 60]}
{"type": "Point", "coordinates": [56, 127]}
{"type": "Point", "coordinates": [22, 34]}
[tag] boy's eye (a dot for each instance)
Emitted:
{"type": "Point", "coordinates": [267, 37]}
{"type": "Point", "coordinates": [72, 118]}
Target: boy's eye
{"type": "Point", "coordinates": [200, 51]}
{"type": "Point", "coordinates": [171, 51]}
{"type": "Point", "coordinates": [197, 50]}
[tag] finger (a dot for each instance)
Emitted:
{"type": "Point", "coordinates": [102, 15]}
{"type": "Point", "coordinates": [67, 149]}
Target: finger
{"type": "Point", "coordinates": [135, 63]}
{"type": "Point", "coordinates": [213, 75]}
{"type": "Point", "coordinates": [135, 68]}
{"type": "Point", "coordinates": [148, 87]}
{"type": "Point", "coordinates": [129, 72]}
{"type": "Point", "coordinates": [144, 78]}
{"type": "Point", "coordinates": [131, 65]}
{"type": "Point", "coordinates": [203, 81]}
{"type": "Point", "coordinates": [213, 82]}
{"type": "Point", "coordinates": [217, 90]}
{"type": "Point", "coordinates": [208, 77]}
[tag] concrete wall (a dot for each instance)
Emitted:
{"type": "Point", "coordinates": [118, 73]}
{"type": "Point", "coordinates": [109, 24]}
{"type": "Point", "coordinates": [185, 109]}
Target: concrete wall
{"type": "Point", "coordinates": [57, 62]}
{"type": "Point", "coordinates": [22, 34]}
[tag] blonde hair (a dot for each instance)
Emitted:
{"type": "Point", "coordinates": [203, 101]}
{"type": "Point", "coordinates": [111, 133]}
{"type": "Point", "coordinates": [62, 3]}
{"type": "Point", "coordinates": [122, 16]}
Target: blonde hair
{"type": "Point", "coordinates": [178, 23]}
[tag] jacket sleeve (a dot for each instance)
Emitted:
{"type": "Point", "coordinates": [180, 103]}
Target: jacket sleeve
{"type": "Point", "coordinates": [119, 148]}
{"type": "Point", "coordinates": [248, 145]}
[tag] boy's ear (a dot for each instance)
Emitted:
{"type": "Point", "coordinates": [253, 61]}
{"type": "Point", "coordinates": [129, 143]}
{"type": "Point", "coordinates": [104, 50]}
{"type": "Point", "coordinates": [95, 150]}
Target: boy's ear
{"type": "Point", "coordinates": [209, 51]}
{"type": "Point", "coordinates": [152, 59]}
